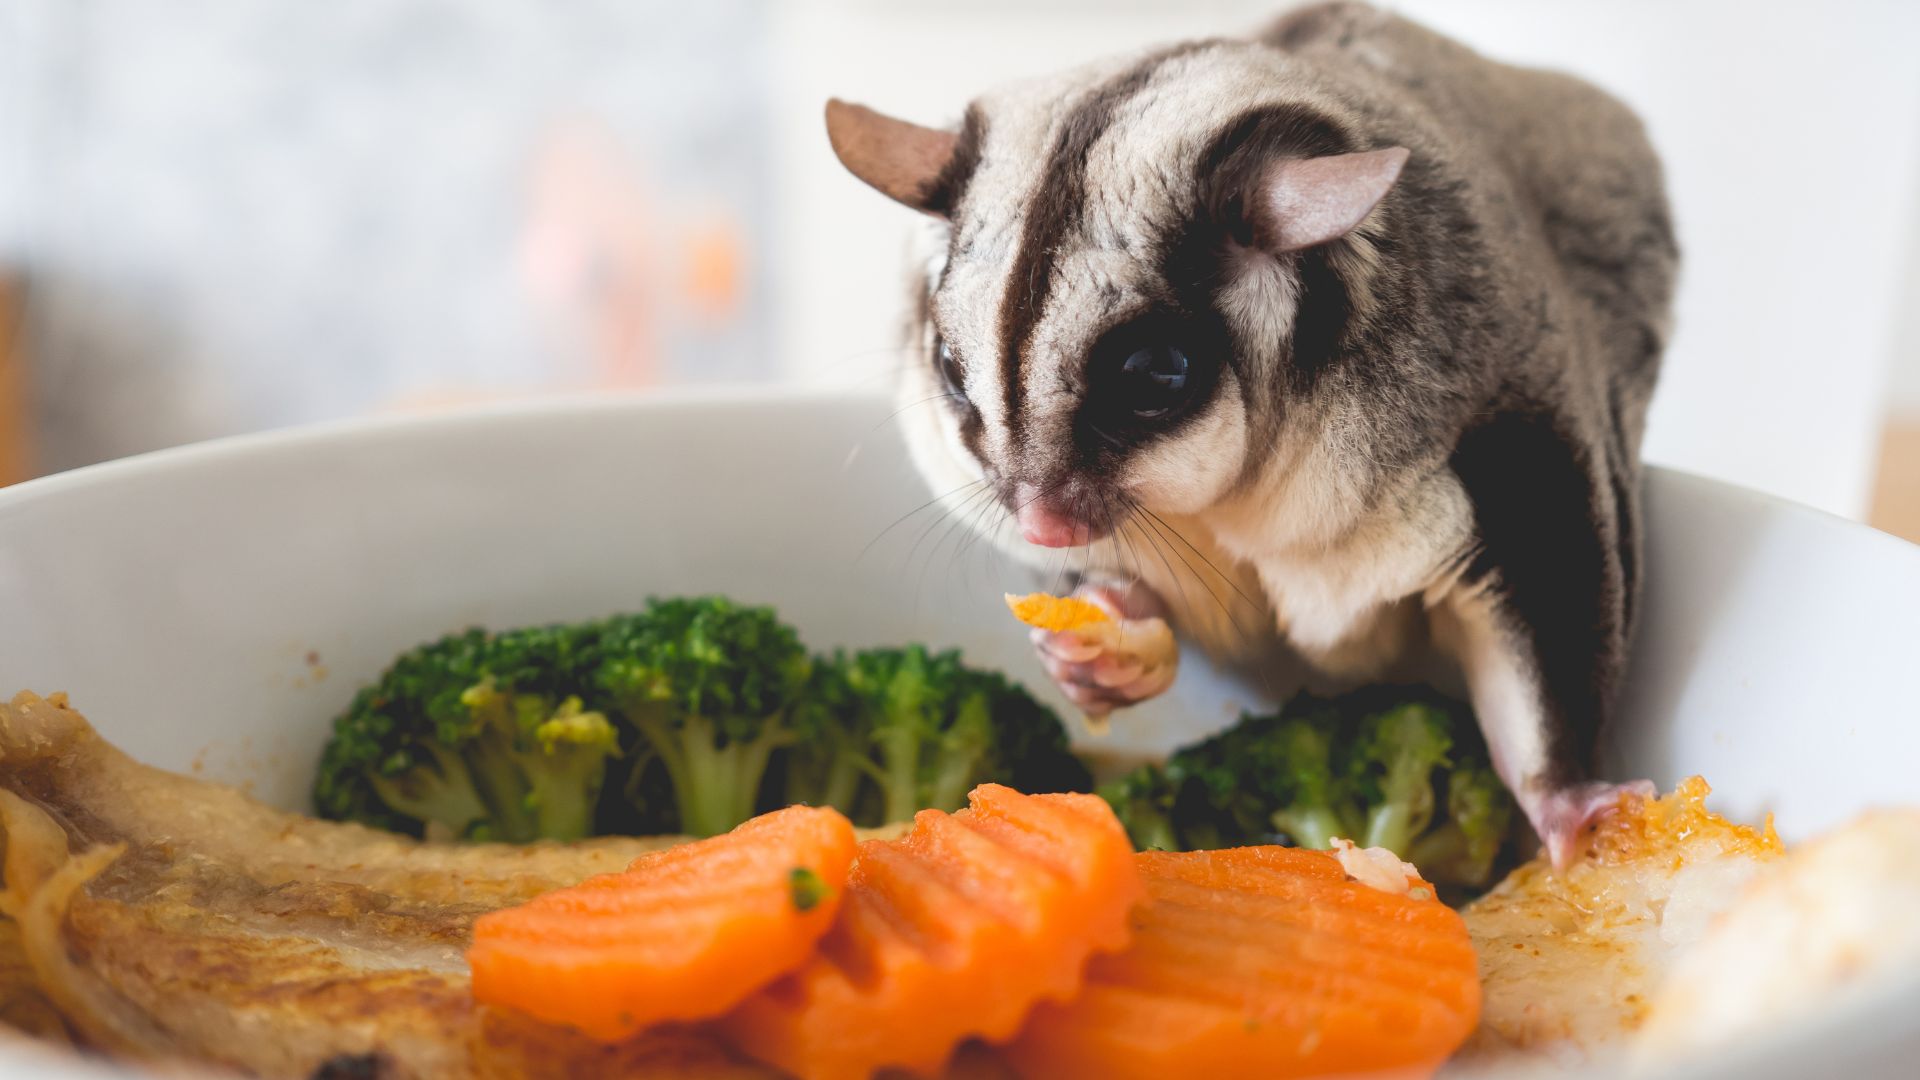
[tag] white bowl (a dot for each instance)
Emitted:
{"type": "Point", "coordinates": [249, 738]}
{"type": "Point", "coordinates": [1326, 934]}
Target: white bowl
{"type": "Point", "coordinates": [211, 608]}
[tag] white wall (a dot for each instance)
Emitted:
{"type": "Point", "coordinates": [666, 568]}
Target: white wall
{"type": "Point", "coordinates": [236, 214]}
{"type": "Point", "coordinates": [1791, 133]}
{"type": "Point", "coordinates": [1904, 389]}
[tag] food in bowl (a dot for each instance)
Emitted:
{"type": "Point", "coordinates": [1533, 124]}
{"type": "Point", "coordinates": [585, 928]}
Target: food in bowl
{"type": "Point", "coordinates": [1571, 960]}
{"type": "Point", "coordinates": [163, 918]}
{"type": "Point", "coordinates": [1393, 767]}
{"type": "Point", "coordinates": [1832, 921]}
{"type": "Point", "coordinates": [703, 710]}
{"type": "Point", "coordinates": [171, 919]}
{"type": "Point", "coordinates": [166, 919]}
{"type": "Point", "coordinates": [696, 713]}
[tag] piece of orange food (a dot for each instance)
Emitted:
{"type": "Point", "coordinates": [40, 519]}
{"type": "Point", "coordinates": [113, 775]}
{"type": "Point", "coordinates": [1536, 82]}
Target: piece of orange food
{"type": "Point", "coordinates": [1056, 613]}
{"type": "Point", "coordinates": [1265, 962]}
{"type": "Point", "coordinates": [954, 931]}
{"type": "Point", "coordinates": [683, 933]}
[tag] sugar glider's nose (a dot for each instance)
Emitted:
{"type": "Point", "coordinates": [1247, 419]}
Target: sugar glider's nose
{"type": "Point", "coordinates": [1045, 522]}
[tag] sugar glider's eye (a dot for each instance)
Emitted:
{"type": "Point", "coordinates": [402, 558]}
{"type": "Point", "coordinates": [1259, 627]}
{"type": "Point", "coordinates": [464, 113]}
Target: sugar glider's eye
{"type": "Point", "coordinates": [1144, 376]}
{"type": "Point", "coordinates": [949, 368]}
{"type": "Point", "coordinates": [1153, 381]}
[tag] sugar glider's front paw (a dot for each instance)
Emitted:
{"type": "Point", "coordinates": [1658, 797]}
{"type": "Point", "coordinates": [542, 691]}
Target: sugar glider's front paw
{"type": "Point", "coordinates": [1110, 665]}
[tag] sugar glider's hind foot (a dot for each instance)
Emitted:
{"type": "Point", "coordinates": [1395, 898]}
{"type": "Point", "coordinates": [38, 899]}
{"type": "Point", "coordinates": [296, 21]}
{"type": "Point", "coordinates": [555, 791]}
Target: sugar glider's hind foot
{"type": "Point", "coordinates": [1564, 817]}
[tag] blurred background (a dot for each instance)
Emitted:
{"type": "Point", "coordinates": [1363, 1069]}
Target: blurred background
{"type": "Point", "coordinates": [220, 216]}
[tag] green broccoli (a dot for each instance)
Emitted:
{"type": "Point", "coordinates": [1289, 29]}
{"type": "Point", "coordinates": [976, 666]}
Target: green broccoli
{"type": "Point", "coordinates": [709, 686]}
{"type": "Point", "coordinates": [1464, 848]}
{"type": "Point", "coordinates": [1267, 775]}
{"type": "Point", "coordinates": [575, 744]}
{"type": "Point", "coordinates": [1313, 806]}
{"type": "Point", "coordinates": [825, 765]}
{"type": "Point", "coordinates": [476, 735]}
{"type": "Point", "coordinates": [715, 709]}
{"type": "Point", "coordinates": [922, 729]}
{"type": "Point", "coordinates": [1389, 767]}
{"type": "Point", "coordinates": [805, 888]}
{"type": "Point", "coordinates": [1144, 800]}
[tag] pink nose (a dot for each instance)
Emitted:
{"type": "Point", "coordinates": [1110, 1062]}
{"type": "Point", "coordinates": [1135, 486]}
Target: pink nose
{"type": "Point", "coordinates": [1046, 526]}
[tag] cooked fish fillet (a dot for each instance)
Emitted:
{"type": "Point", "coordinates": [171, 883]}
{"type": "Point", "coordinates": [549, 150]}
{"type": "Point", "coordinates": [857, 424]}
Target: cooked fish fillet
{"type": "Point", "coordinates": [1569, 960]}
{"type": "Point", "coordinates": [23, 1007]}
{"type": "Point", "coordinates": [1832, 922]}
{"type": "Point", "coordinates": [172, 920]}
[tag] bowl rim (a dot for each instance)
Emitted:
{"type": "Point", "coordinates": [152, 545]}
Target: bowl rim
{"type": "Point", "coordinates": [407, 421]}
{"type": "Point", "coordinates": [650, 399]}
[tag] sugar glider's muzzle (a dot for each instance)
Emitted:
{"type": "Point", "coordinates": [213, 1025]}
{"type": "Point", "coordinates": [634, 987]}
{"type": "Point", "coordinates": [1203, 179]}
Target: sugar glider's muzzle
{"type": "Point", "coordinates": [1049, 521]}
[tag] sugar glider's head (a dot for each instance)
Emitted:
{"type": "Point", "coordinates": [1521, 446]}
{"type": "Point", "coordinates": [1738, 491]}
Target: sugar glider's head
{"type": "Point", "coordinates": [1145, 262]}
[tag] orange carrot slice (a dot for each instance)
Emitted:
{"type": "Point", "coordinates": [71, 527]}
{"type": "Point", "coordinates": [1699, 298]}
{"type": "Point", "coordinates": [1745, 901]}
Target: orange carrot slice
{"type": "Point", "coordinates": [1267, 962]}
{"type": "Point", "coordinates": [1056, 613]}
{"type": "Point", "coordinates": [682, 934]}
{"type": "Point", "coordinates": [951, 932]}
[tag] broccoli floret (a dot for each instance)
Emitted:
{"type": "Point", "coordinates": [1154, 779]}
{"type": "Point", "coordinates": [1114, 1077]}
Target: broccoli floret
{"type": "Point", "coordinates": [886, 732]}
{"type": "Point", "coordinates": [824, 766]}
{"type": "Point", "coordinates": [642, 801]}
{"type": "Point", "coordinates": [935, 728]}
{"type": "Point", "coordinates": [1143, 800]}
{"type": "Point", "coordinates": [574, 745]}
{"type": "Point", "coordinates": [476, 736]}
{"type": "Point", "coordinates": [1391, 767]}
{"type": "Point", "coordinates": [708, 685]}
{"type": "Point", "coordinates": [1313, 807]}
{"type": "Point", "coordinates": [1267, 778]}
{"type": "Point", "coordinates": [1464, 848]}
{"type": "Point", "coordinates": [439, 793]}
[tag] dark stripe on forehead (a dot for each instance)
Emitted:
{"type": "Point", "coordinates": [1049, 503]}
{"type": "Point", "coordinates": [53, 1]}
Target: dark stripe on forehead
{"type": "Point", "coordinates": [1055, 211]}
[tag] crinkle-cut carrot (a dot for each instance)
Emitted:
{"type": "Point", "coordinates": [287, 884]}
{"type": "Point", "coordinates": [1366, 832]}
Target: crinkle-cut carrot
{"type": "Point", "coordinates": [1264, 962]}
{"type": "Point", "coordinates": [954, 931]}
{"type": "Point", "coordinates": [1056, 613]}
{"type": "Point", "coordinates": [682, 934]}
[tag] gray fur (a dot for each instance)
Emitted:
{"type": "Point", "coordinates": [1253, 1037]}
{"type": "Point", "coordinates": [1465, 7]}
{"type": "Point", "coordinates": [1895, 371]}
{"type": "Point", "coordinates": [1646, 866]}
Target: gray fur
{"type": "Point", "coordinates": [1424, 433]}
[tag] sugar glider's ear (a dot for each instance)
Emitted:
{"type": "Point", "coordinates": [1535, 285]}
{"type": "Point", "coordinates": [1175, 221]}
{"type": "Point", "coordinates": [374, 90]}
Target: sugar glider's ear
{"type": "Point", "coordinates": [900, 160]}
{"type": "Point", "coordinates": [1305, 202]}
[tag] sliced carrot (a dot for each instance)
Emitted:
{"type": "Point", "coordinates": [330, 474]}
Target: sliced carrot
{"type": "Point", "coordinates": [682, 934]}
{"type": "Point", "coordinates": [951, 932]}
{"type": "Point", "coordinates": [1268, 962]}
{"type": "Point", "coordinates": [1056, 613]}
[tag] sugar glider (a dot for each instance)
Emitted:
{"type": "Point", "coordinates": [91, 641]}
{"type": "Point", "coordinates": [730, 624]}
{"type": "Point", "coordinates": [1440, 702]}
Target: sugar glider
{"type": "Point", "coordinates": [1363, 319]}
